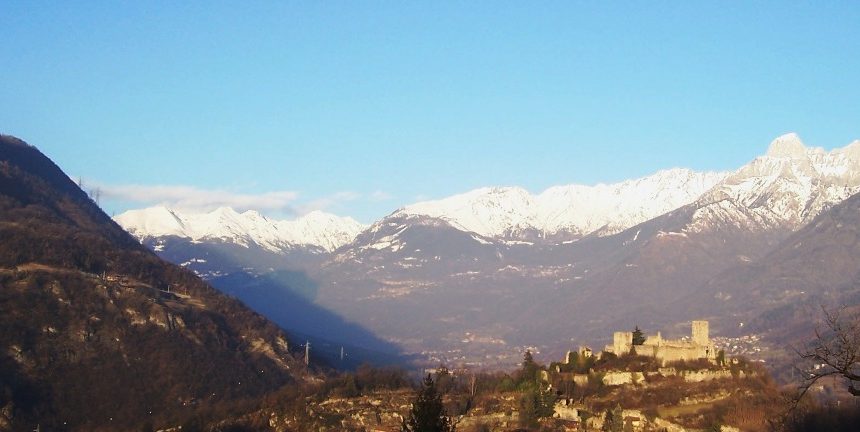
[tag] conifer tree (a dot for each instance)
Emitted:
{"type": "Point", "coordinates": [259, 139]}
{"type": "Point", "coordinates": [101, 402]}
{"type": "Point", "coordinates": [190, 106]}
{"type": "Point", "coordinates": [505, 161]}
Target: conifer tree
{"type": "Point", "coordinates": [530, 369]}
{"type": "Point", "coordinates": [638, 337]}
{"type": "Point", "coordinates": [428, 413]}
{"type": "Point", "coordinates": [614, 421]}
{"type": "Point", "coordinates": [535, 403]}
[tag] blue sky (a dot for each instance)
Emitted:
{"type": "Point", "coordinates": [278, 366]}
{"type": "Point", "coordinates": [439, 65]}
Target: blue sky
{"type": "Point", "coordinates": [361, 107]}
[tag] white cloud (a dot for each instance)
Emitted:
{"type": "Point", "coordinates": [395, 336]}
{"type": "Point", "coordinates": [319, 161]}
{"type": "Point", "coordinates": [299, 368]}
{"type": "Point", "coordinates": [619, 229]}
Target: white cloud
{"type": "Point", "coordinates": [326, 202]}
{"type": "Point", "coordinates": [337, 199]}
{"type": "Point", "coordinates": [379, 195]}
{"type": "Point", "coordinates": [194, 198]}
{"type": "Point", "coordinates": [346, 196]}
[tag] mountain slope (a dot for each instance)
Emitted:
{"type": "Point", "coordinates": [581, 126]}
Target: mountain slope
{"type": "Point", "coordinates": [817, 265]}
{"type": "Point", "coordinates": [90, 340]}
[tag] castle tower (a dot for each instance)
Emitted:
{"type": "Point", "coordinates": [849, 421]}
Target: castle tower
{"type": "Point", "coordinates": [700, 333]}
{"type": "Point", "coordinates": [622, 342]}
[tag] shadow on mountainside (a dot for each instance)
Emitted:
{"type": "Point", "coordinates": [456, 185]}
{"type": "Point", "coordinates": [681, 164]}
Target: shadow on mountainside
{"type": "Point", "coordinates": [284, 297]}
{"type": "Point", "coordinates": [276, 286]}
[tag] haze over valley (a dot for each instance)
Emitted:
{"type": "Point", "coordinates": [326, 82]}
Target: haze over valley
{"type": "Point", "coordinates": [429, 216]}
{"type": "Point", "coordinates": [475, 278]}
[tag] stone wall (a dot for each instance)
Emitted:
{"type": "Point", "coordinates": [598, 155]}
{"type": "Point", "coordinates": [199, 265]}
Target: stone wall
{"type": "Point", "coordinates": [674, 351]}
{"type": "Point", "coordinates": [621, 378]}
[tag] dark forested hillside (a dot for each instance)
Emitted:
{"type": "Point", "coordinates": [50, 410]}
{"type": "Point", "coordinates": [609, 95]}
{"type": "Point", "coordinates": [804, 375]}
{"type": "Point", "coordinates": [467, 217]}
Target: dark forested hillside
{"type": "Point", "coordinates": [97, 333]}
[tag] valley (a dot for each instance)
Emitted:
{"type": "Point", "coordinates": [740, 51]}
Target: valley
{"type": "Point", "coordinates": [475, 279]}
{"type": "Point", "coordinates": [124, 339]}
{"type": "Point", "coordinates": [304, 216]}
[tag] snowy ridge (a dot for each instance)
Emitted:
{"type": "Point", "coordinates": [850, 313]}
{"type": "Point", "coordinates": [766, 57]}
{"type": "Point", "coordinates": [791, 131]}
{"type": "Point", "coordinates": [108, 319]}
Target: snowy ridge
{"type": "Point", "coordinates": [506, 212]}
{"type": "Point", "coordinates": [785, 188]}
{"type": "Point", "coordinates": [316, 229]}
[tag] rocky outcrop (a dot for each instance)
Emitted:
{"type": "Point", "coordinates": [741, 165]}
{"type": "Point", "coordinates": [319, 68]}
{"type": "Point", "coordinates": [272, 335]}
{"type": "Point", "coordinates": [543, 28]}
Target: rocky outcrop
{"type": "Point", "coordinates": [622, 378]}
{"type": "Point", "coordinates": [702, 375]}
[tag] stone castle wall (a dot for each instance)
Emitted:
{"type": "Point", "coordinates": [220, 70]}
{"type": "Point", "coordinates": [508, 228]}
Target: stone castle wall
{"type": "Point", "coordinates": [668, 350]}
{"type": "Point", "coordinates": [700, 333]}
{"type": "Point", "coordinates": [675, 352]}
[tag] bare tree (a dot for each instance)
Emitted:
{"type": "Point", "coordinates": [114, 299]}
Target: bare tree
{"type": "Point", "coordinates": [834, 352]}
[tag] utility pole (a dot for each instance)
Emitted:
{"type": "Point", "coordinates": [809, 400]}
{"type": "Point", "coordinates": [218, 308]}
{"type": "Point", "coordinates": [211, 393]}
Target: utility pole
{"type": "Point", "coordinates": [341, 353]}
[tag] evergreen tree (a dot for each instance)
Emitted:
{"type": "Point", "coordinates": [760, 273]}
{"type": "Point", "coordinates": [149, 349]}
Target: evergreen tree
{"type": "Point", "coordinates": [536, 401]}
{"type": "Point", "coordinates": [528, 408]}
{"type": "Point", "coordinates": [427, 413]}
{"type": "Point", "coordinates": [530, 369]}
{"type": "Point", "coordinates": [614, 421]}
{"type": "Point", "coordinates": [638, 337]}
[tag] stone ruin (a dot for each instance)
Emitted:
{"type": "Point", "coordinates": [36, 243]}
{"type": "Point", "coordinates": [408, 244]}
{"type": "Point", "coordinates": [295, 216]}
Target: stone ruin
{"type": "Point", "coordinates": [667, 350]}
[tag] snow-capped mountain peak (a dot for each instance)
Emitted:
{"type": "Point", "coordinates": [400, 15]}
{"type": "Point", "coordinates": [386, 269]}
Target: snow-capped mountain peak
{"type": "Point", "coordinates": [490, 211]}
{"type": "Point", "coordinates": [322, 229]}
{"type": "Point", "coordinates": [511, 212]}
{"type": "Point", "coordinates": [159, 219]}
{"type": "Point", "coordinates": [316, 229]}
{"type": "Point", "coordinates": [789, 145]}
{"type": "Point", "coordinates": [785, 188]}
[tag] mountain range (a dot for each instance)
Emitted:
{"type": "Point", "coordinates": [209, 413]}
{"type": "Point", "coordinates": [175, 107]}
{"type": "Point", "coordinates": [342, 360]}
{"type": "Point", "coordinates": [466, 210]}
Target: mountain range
{"type": "Point", "coordinates": [478, 276]}
{"type": "Point", "coordinates": [316, 230]}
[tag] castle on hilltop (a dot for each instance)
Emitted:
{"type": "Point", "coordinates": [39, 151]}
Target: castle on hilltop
{"type": "Point", "coordinates": [667, 350]}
